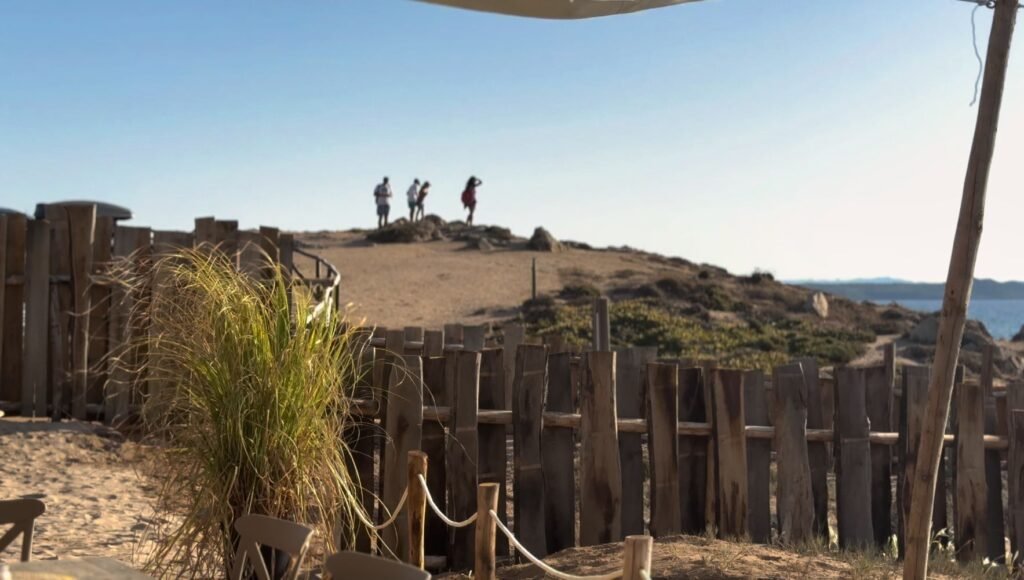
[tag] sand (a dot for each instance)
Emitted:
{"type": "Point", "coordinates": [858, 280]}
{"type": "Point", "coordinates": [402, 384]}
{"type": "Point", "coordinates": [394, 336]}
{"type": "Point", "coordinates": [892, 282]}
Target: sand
{"type": "Point", "coordinates": [430, 284]}
{"type": "Point", "coordinates": [97, 503]}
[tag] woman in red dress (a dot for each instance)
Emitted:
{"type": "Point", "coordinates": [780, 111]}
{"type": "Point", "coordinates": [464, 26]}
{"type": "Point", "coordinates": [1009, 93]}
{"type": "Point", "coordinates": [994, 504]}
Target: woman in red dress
{"type": "Point", "coordinates": [469, 197]}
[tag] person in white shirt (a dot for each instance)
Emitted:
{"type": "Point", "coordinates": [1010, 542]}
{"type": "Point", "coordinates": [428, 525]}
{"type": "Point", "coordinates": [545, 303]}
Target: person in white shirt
{"type": "Point", "coordinates": [382, 193]}
{"type": "Point", "coordinates": [413, 194]}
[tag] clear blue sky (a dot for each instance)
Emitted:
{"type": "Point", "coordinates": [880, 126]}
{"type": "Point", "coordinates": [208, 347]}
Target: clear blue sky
{"type": "Point", "coordinates": [810, 138]}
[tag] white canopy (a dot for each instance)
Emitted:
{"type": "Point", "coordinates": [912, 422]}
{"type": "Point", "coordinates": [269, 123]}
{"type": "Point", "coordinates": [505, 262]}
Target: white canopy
{"type": "Point", "coordinates": [563, 9]}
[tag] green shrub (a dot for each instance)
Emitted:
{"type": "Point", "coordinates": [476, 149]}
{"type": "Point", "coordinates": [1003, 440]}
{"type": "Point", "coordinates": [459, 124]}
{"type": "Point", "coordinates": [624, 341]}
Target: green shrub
{"type": "Point", "coordinates": [245, 408]}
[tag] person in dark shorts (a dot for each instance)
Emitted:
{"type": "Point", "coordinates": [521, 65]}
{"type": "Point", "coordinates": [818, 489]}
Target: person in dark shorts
{"type": "Point", "coordinates": [419, 200]}
{"type": "Point", "coordinates": [412, 196]}
{"type": "Point", "coordinates": [382, 194]}
{"type": "Point", "coordinates": [469, 197]}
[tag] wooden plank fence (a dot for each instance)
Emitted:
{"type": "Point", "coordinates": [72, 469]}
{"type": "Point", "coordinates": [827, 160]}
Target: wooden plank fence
{"type": "Point", "coordinates": [566, 474]}
{"type": "Point", "coordinates": [60, 322]}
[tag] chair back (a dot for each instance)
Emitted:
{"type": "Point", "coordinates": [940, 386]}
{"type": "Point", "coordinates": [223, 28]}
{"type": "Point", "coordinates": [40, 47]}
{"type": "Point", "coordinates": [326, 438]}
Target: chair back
{"type": "Point", "coordinates": [280, 536]}
{"type": "Point", "coordinates": [21, 515]}
{"type": "Point", "coordinates": [356, 565]}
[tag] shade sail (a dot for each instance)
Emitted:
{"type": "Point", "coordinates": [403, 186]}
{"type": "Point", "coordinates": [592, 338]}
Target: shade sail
{"type": "Point", "coordinates": [559, 9]}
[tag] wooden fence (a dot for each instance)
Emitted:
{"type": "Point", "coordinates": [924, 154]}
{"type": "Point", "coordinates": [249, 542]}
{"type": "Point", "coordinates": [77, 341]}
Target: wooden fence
{"type": "Point", "coordinates": [592, 447]}
{"type": "Point", "coordinates": [59, 324]}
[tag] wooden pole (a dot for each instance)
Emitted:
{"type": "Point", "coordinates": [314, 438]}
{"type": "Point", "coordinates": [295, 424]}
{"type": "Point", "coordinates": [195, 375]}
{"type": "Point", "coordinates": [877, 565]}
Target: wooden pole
{"type": "Point", "coordinates": [485, 564]}
{"type": "Point", "coordinates": [533, 279]}
{"type": "Point", "coordinates": [958, 289]}
{"type": "Point", "coordinates": [636, 557]}
{"type": "Point", "coordinates": [417, 508]}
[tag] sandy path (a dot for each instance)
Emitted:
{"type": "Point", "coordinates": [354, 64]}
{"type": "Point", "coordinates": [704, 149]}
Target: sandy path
{"type": "Point", "coordinates": [96, 502]}
{"type": "Point", "coordinates": [430, 284]}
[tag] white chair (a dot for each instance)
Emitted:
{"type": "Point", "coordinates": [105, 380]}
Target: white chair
{"type": "Point", "coordinates": [280, 535]}
{"type": "Point", "coordinates": [357, 566]}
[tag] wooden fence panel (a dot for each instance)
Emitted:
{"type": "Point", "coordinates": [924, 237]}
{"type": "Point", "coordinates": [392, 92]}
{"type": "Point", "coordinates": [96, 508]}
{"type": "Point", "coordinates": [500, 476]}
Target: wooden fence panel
{"type": "Point", "coordinates": [970, 473]}
{"type": "Point", "coordinates": [37, 320]}
{"type": "Point", "coordinates": [3, 291]}
{"type": "Point", "coordinates": [99, 319]}
{"type": "Point", "coordinates": [912, 403]}
{"type": "Point", "coordinates": [462, 453]}
{"type": "Point", "coordinates": [270, 244]}
{"type": "Point", "coordinates": [693, 453]}
{"type": "Point", "coordinates": [81, 234]}
{"type": "Point", "coordinates": [558, 454]}
{"type": "Point", "coordinates": [453, 334]}
{"type": "Point", "coordinates": [405, 434]}
{"type": "Point", "coordinates": [433, 343]}
{"type": "Point", "coordinates": [362, 436]}
{"type": "Point", "coordinates": [512, 335]}
{"type": "Point", "coordinates": [60, 344]}
{"type": "Point", "coordinates": [1015, 478]}
{"type": "Point", "coordinates": [474, 337]}
{"type": "Point", "coordinates": [630, 370]}
{"type": "Point", "coordinates": [600, 471]}
{"type": "Point", "coordinates": [227, 239]}
{"type": "Point", "coordinates": [729, 429]}
{"type": "Point", "coordinates": [759, 459]}
{"type": "Point", "coordinates": [794, 495]}
{"type": "Point", "coordinates": [663, 442]}
{"type": "Point", "coordinates": [12, 278]}
{"type": "Point", "coordinates": [994, 517]}
{"type": "Point", "coordinates": [413, 334]}
{"type": "Point", "coordinates": [819, 454]}
{"type": "Point", "coordinates": [528, 406]}
{"type": "Point", "coordinates": [493, 463]}
{"type": "Point", "coordinates": [206, 230]}
{"type": "Point", "coordinates": [124, 376]}
{"type": "Point", "coordinates": [435, 385]}
{"type": "Point", "coordinates": [879, 403]}
{"type": "Point", "coordinates": [249, 259]}
{"type": "Point", "coordinates": [853, 461]}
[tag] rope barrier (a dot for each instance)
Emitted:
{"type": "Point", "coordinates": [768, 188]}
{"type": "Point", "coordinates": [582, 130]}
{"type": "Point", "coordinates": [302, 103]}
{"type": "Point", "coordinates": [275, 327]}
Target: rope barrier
{"type": "Point", "coordinates": [540, 563]}
{"type": "Point", "coordinates": [437, 510]}
{"type": "Point", "coordinates": [391, 520]}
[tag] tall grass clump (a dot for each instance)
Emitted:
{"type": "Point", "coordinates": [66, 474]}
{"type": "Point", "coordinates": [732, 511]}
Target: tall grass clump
{"type": "Point", "coordinates": [246, 398]}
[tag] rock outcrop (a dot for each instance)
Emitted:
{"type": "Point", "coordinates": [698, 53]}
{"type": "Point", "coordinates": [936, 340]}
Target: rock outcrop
{"type": "Point", "coordinates": [543, 241]}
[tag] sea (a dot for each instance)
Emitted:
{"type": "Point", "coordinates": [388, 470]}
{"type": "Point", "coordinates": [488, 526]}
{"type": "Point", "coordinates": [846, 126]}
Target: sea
{"type": "Point", "coordinates": [1002, 318]}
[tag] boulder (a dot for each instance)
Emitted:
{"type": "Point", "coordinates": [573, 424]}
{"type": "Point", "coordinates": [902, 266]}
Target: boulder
{"type": "Point", "coordinates": [1019, 337]}
{"type": "Point", "coordinates": [817, 303]}
{"type": "Point", "coordinates": [976, 335]}
{"type": "Point", "coordinates": [543, 241]}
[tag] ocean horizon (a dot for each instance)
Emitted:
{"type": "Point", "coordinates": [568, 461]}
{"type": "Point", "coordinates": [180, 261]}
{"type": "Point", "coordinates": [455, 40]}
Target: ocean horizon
{"type": "Point", "coordinates": [1002, 318]}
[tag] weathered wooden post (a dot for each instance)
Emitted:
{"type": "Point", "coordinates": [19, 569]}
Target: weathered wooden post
{"type": "Point", "coordinates": [405, 432]}
{"type": "Point", "coordinates": [958, 289]}
{"type": "Point", "coordinates": [527, 410]}
{"type": "Point", "coordinates": [636, 557]}
{"type": "Point", "coordinates": [1015, 479]}
{"type": "Point", "coordinates": [795, 499]}
{"type": "Point", "coordinates": [37, 319]}
{"type": "Point", "coordinates": [663, 442]}
{"type": "Point", "coordinates": [853, 469]}
{"type": "Point", "coordinates": [557, 453]}
{"type": "Point", "coordinates": [13, 277]}
{"type": "Point", "coordinates": [485, 563]}
{"type": "Point", "coordinates": [600, 470]}
{"type": "Point", "coordinates": [417, 508]}
{"type": "Point", "coordinates": [81, 234]}
{"type": "Point", "coordinates": [630, 372]}
{"type": "Point", "coordinates": [970, 473]}
{"type": "Point", "coordinates": [463, 450]}
{"type": "Point", "coordinates": [731, 445]}
{"type": "Point", "coordinates": [759, 459]}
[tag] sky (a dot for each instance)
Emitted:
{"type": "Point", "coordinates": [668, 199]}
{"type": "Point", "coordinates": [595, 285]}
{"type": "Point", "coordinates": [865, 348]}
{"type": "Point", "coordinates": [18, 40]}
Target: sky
{"type": "Point", "coordinates": [811, 139]}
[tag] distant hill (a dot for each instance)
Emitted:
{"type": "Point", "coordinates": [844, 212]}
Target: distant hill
{"type": "Point", "coordinates": [880, 291]}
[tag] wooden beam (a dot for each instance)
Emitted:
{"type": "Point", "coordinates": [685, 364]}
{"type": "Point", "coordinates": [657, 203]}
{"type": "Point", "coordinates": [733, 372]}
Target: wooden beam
{"type": "Point", "coordinates": [958, 289]}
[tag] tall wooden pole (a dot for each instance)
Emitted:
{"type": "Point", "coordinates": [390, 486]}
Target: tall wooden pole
{"type": "Point", "coordinates": [958, 291]}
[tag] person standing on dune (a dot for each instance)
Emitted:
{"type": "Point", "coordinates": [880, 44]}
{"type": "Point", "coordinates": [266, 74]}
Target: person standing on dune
{"type": "Point", "coordinates": [469, 197]}
{"type": "Point", "coordinates": [419, 200]}
{"type": "Point", "coordinates": [412, 196]}
{"type": "Point", "coordinates": [382, 194]}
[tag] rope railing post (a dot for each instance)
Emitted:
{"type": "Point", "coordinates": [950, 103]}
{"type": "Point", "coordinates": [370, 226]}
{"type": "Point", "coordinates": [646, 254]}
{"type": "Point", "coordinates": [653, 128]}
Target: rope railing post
{"type": "Point", "coordinates": [417, 508]}
{"type": "Point", "coordinates": [636, 558]}
{"type": "Point", "coordinates": [485, 563]}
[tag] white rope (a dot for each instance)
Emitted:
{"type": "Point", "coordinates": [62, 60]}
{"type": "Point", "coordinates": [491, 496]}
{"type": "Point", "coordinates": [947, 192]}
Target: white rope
{"type": "Point", "coordinates": [977, 55]}
{"type": "Point", "coordinates": [394, 514]}
{"type": "Point", "coordinates": [540, 563]}
{"type": "Point", "coordinates": [438, 511]}
{"type": "Point", "coordinates": [645, 575]}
